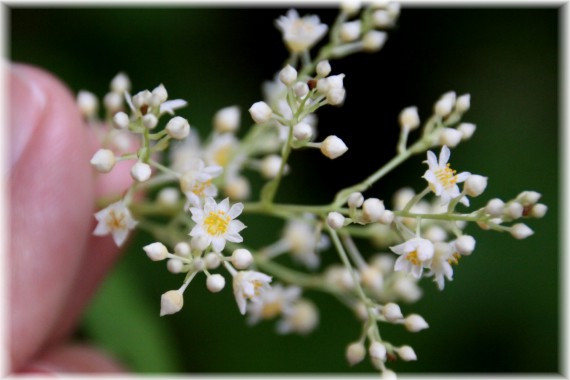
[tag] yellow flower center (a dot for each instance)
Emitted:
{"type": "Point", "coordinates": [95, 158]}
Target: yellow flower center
{"type": "Point", "coordinates": [412, 257]}
{"type": "Point", "coordinates": [217, 223]}
{"type": "Point", "coordinates": [271, 310]}
{"type": "Point", "coordinates": [446, 176]}
{"type": "Point", "coordinates": [114, 221]}
{"type": "Point", "coordinates": [199, 187]}
{"type": "Point", "coordinates": [222, 154]}
{"type": "Point", "coordinates": [454, 259]}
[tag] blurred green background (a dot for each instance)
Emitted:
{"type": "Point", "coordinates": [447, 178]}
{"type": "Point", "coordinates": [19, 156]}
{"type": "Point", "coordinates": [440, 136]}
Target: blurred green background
{"type": "Point", "coordinates": [502, 311]}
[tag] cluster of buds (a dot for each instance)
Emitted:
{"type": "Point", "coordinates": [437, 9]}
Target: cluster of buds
{"type": "Point", "coordinates": [203, 188]}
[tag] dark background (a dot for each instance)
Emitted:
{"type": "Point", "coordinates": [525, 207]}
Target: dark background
{"type": "Point", "coordinates": [500, 314]}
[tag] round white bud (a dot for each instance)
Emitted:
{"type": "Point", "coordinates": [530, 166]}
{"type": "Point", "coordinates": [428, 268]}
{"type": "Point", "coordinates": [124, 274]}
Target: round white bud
{"type": "Point", "coordinates": [227, 119]}
{"type": "Point", "coordinates": [301, 89]}
{"type": "Point", "coordinates": [392, 312]}
{"type": "Point", "coordinates": [528, 197]}
{"type": "Point", "coordinates": [121, 120]}
{"type": "Point", "coordinates": [215, 283]}
{"type": "Point", "coordinates": [150, 121]}
{"type": "Point", "coordinates": [355, 200]}
{"type": "Point", "coordinates": [288, 75]}
{"type": "Point", "coordinates": [178, 128]}
{"type": "Point", "coordinates": [168, 196]}
{"type": "Point", "coordinates": [465, 244]}
{"type": "Point", "coordinates": [182, 249]}
{"type": "Point", "coordinates": [141, 172]}
{"type": "Point", "coordinates": [212, 260]}
{"type": "Point", "coordinates": [350, 7]}
{"type": "Point", "coordinates": [463, 103]}
{"type": "Point", "coordinates": [372, 278]}
{"type": "Point", "coordinates": [260, 112]}
{"type": "Point", "coordinates": [409, 118]}
{"type": "Point", "coordinates": [323, 68]}
{"type": "Point", "coordinates": [302, 131]}
{"type": "Point", "coordinates": [495, 207]}
{"type": "Point", "coordinates": [198, 264]}
{"type": "Point", "coordinates": [538, 210]}
{"type": "Point", "coordinates": [393, 9]}
{"type": "Point", "coordinates": [304, 317]}
{"type": "Point", "coordinates": [199, 243]}
{"type": "Point", "coordinates": [350, 31]}
{"type": "Point", "coordinates": [333, 147]}
{"type": "Point", "coordinates": [372, 209]}
{"type": "Point", "coordinates": [113, 102]}
{"type": "Point", "coordinates": [174, 266]}
{"type": "Point", "coordinates": [237, 188]}
{"type": "Point", "coordinates": [475, 185]}
{"type": "Point", "coordinates": [406, 353]}
{"type": "Point", "coordinates": [120, 83]}
{"type": "Point", "coordinates": [467, 130]}
{"type": "Point", "coordinates": [520, 231]}
{"type": "Point", "coordinates": [335, 96]}
{"type": "Point", "coordinates": [87, 103]}
{"type": "Point", "coordinates": [382, 19]}
{"type": "Point", "coordinates": [377, 351]}
{"type": "Point", "coordinates": [444, 105]}
{"type": "Point", "coordinates": [156, 251]}
{"type": "Point", "coordinates": [159, 95]}
{"type": "Point", "coordinates": [415, 323]}
{"type": "Point", "coordinates": [450, 137]}
{"type": "Point", "coordinates": [103, 160]}
{"type": "Point", "coordinates": [374, 40]}
{"type": "Point", "coordinates": [171, 302]}
{"type": "Point", "coordinates": [335, 82]}
{"type": "Point", "coordinates": [270, 166]}
{"type": "Point", "coordinates": [241, 258]}
{"type": "Point", "coordinates": [513, 210]}
{"type": "Point", "coordinates": [388, 374]}
{"type": "Point", "coordinates": [387, 217]}
{"type": "Point", "coordinates": [335, 220]}
{"type": "Point", "coordinates": [323, 85]}
{"type": "Point", "coordinates": [355, 353]}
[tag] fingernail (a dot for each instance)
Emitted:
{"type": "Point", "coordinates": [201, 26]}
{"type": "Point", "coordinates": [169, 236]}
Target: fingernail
{"type": "Point", "coordinates": [27, 104]}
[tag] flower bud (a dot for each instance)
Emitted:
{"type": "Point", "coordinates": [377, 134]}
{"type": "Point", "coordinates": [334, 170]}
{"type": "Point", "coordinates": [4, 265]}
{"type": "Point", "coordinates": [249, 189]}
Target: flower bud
{"type": "Point", "coordinates": [335, 220]}
{"type": "Point", "coordinates": [288, 75]}
{"type": "Point", "coordinates": [465, 244]}
{"type": "Point", "coordinates": [237, 188]}
{"type": "Point", "coordinates": [212, 260]}
{"type": "Point", "coordinates": [513, 210]}
{"type": "Point", "coordinates": [406, 353]}
{"type": "Point", "coordinates": [270, 166]}
{"type": "Point", "coordinates": [372, 209]}
{"type": "Point", "coordinates": [374, 40]}
{"type": "Point", "coordinates": [444, 105]}
{"type": "Point", "coordinates": [156, 251]}
{"type": "Point", "coordinates": [120, 83]}
{"type": "Point", "coordinates": [182, 249]}
{"type": "Point", "coordinates": [350, 7]}
{"type": "Point", "coordinates": [382, 19]}
{"type": "Point", "coordinates": [377, 351]}
{"type": "Point", "coordinates": [260, 112]}
{"type": "Point", "coordinates": [475, 185]}
{"type": "Point", "coordinates": [355, 353]}
{"type": "Point", "coordinates": [372, 278]}
{"type": "Point", "coordinates": [463, 103]}
{"type": "Point", "coordinates": [387, 217]}
{"type": "Point", "coordinates": [301, 89]}
{"type": "Point", "coordinates": [121, 120]}
{"type": "Point", "coordinates": [450, 137]}
{"type": "Point", "coordinates": [241, 258]}
{"type": "Point", "coordinates": [355, 200]}
{"type": "Point", "coordinates": [409, 118]}
{"type": "Point", "coordinates": [415, 323]}
{"type": "Point", "coordinates": [168, 196]}
{"type": "Point", "coordinates": [323, 68]}
{"type": "Point", "coordinates": [141, 98]}
{"type": "Point", "coordinates": [350, 31]}
{"type": "Point", "coordinates": [141, 172]}
{"type": "Point", "coordinates": [199, 243]}
{"type": "Point", "coordinates": [174, 266]}
{"type": "Point", "coordinates": [388, 374]}
{"type": "Point", "coordinates": [198, 264]}
{"type": "Point", "coordinates": [87, 103]}
{"type": "Point", "coordinates": [495, 207]}
{"type": "Point", "coordinates": [150, 121]}
{"type": "Point", "coordinates": [538, 210]}
{"type": "Point", "coordinates": [333, 147]}
{"type": "Point", "coordinates": [302, 131]}
{"type": "Point", "coordinates": [528, 197]}
{"type": "Point", "coordinates": [467, 130]}
{"type": "Point", "coordinates": [171, 302]}
{"type": "Point", "coordinates": [521, 231]}
{"type": "Point", "coordinates": [178, 128]}
{"type": "Point", "coordinates": [103, 160]}
{"type": "Point", "coordinates": [159, 95]}
{"type": "Point", "coordinates": [113, 102]}
{"type": "Point", "coordinates": [392, 312]}
{"type": "Point", "coordinates": [215, 283]}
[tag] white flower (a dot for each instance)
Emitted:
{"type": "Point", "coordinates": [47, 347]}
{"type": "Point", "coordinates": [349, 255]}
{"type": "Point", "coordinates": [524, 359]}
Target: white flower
{"type": "Point", "coordinates": [440, 266]}
{"type": "Point", "coordinates": [442, 179]}
{"type": "Point", "coordinates": [249, 285]}
{"type": "Point", "coordinates": [115, 219]}
{"type": "Point", "coordinates": [220, 149]}
{"type": "Point", "coordinates": [227, 119]}
{"type": "Point", "coordinates": [273, 302]}
{"type": "Point", "coordinates": [302, 318]}
{"type": "Point", "coordinates": [303, 241]}
{"type": "Point", "coordinates": [196, 182]}
{"type": "Point", "coordinates": [300, 34]}
{"type": "Point", "coordinates": [414, 255]}
{"type": "Point", "coordinates": [216, 222]}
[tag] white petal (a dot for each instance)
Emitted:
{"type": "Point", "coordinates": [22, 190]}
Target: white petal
{"type": "Point", "coordinates": [234, 238]}
{"type": "Point", "coordinates": [224, 205]}
{"type": "Point", "coordinates": [444, 156]}
{"type": "Point", "coordinates": [171, 105]}
{"type": "Point", "coordinates": [401, 264]}
{"type": "Point", "coordinates": [101, 229]}
{"type": "Point", "coordinates": [218, 243]}
{"type": "Point", "coordinates": [417, 271]}
{"type": "Point", "coordinates": [235, 210]}
{"type": "Point", "coordinates": [398, 249]}
{"type": "Point", "coordinates": [461, 177]}
{"type": "Point", "coordinates": [198, 230]}
{"type": "Point", "coordinates": [210, 205]}
{"type": "Point", "coordinates": [431, 160]}
{"type": "Point", "coordinates": [119, 236]}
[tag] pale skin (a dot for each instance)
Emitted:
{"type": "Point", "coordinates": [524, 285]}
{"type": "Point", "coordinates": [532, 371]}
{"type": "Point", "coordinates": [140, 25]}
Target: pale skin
{"type": "Point", "coordinates": [53, 261]}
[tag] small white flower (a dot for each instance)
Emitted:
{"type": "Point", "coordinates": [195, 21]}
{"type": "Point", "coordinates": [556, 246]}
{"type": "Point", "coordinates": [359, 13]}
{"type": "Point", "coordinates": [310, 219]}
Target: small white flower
{"type": "Point", "coordinates": [303, 241]}
{"type": "Point", "coordinates": [302, 318]}
{"type": "Point", "coordinates": [300, 34]}
{"type": "Point", "coordinates": [150, 121]}
{"type": "Point", "coordinates": [444, 105]}
{"type": "Point", "coordinates": [440, 266]}
{"type": "Point", "coordinates": [465, 244]}
{"type": "Point", "coordinates": [217, 223]}
{"type": "Point", "coordinates": [392, 312]}
{"type": "Point", "coordinates": [221, 149]}
{"type": "Point", "coordinates": [450, 137]}
{"type": "Point", "coordinates": [377, 351]}
{"type": "Point", "coordinates": [495, 207]}
{"type": "Point", "coordinates": [414, 255]}
{"type": "Point", "coordinates": [273, 302]}
{"type": "Point", "coordinates": [372, 210]}
{"type": "Point", "coordinates": [355, 200]}
{"type": "Point", "coordinates": [196, 182]}
{"type": "Point", "coordinates": [538, 210]}
{"type": "Point", "coordinates": [249, 285]}
{"type": "Point", "coordinates": [442, 179]}
{"type": "Point", "coordinates": [115, 219]}
{"type": "Point", "coordinates": [270, 166]}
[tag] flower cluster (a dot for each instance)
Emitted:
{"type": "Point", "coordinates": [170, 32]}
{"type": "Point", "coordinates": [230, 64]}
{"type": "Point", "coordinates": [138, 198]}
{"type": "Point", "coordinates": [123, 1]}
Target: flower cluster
{"type": "Point", "coordinates": [203, 188]}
